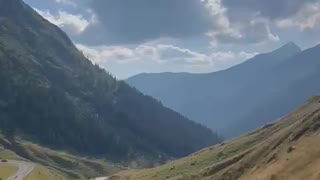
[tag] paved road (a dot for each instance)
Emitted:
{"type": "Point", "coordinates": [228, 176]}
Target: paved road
{"type": "Point", "coordinates": [24, 169]}
{"type": "Point", "coordinates": [102, 178]}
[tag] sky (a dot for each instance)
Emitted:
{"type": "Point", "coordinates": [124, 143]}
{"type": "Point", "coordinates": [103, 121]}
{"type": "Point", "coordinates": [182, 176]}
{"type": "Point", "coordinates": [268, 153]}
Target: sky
{"type": "Point", "coordinates": [128, 37]}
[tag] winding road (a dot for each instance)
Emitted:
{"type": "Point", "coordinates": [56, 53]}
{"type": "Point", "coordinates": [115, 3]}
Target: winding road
{"type": "Point", "coordinates": [102, 178]}
{"type": "Point", "coordinates": [24, 169]}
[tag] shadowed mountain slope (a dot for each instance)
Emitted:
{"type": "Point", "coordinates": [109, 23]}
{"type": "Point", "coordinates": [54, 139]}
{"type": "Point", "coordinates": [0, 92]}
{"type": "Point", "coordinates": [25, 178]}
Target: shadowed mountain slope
{"type": "Point", "coordinates": [50, 93]}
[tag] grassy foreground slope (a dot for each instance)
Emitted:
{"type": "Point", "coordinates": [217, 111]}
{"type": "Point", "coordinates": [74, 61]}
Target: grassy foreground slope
{"type": "Point", "coordinates": [286, 149]}
{"type": "Point", "coordinates": [6, 171]}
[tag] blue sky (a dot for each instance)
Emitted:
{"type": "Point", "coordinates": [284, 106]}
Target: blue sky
{"type": "Point", "coordinates": [128, 37]}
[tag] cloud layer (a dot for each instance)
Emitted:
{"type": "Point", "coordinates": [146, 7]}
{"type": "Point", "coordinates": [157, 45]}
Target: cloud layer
{"type": "Point", "coordinates": [307, 18]}
{"type": "Point", "coordinates": [121, 22]}
{"type": "Point", "coordinates": [181, 35]}
{"type": "Point", "coordinates": [73, 24]}
{"type": "Point", "coordinates": [272, 9]}
{"type": "Point", "coordinates": [135, 21]}
{"type": "Point", "coordinates": [159, 54]}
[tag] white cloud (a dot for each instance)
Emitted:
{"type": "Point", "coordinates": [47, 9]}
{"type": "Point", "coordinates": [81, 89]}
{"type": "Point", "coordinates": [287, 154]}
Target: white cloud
{"type": "Point", "coordinates": [230, 56]}
{"type": "Point", "coordinates": [226, 59]}
{"type": "Point", "coordinates": [177, 55]}
{"type": "Point", "coordinates": [307, 17]}
{"type": "Point", "coordinates": [223, 56]}
{"type": "Point", "coordinates": [160, 54]}
{"type": "Point", "coordinates": [251, 30]}
{"type": "Point", "coordinates": [105, 54]}
{"type": "Point", "coordinates": [69, 22]}
{"type": "Point", "coordinates": [245, 56]}
{"type": "Point", "coordinates": [126, 61]}
{"type": "Point", "coordinates": [67, 2]}
{"type": "Point", "coordinates": [221, 20]}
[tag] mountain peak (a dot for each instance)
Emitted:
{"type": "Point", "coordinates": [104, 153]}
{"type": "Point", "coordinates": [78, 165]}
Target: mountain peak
{"type": "Point", "coordinates": [291, 46]}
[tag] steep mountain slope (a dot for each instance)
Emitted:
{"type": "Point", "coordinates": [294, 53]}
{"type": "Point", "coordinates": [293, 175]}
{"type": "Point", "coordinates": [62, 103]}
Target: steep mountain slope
{"type": "Point", "coordinates": [287, 85]}
{"type": "Point", "coordinates": [209, 98]}
{"type": "Point", "coordinates": [50, 93]}
{"type": "Point", "coordinates": [286, 149]}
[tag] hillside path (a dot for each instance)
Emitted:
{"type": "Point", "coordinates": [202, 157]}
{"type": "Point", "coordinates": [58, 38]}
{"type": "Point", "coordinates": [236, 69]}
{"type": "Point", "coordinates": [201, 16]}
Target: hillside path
{"type": "Point", "coordinates": [102, 178]}
{"type": "Point", "coordinates": [24, 169]}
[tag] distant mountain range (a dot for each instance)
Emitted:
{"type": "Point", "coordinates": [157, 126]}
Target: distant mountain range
{"type": "Point", "coordinates": [243, 97]}
{"type": "Point", "coordinates": [51, 94]}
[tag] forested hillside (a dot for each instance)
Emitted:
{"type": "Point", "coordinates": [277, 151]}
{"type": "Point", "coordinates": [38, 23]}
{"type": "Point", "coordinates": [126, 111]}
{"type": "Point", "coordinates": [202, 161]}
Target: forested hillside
{"type": "Point", "coordinates": [52, 94]}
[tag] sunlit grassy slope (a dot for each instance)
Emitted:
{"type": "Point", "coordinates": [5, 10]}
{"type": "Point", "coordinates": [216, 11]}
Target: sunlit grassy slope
{"type": "Point", "coordinates": [41, 173]}
{"type": "Point", "coordinates": [52, 164]}
{"type": "Point", "coordinates": [286, 149]}
{"type": "Point", "coordinates": [6, 171]}
{"type": "Point", "coordinates": [73, 166]}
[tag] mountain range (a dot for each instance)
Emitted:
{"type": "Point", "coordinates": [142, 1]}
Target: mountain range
{"type": "Point", "coordinates": [243, 97]}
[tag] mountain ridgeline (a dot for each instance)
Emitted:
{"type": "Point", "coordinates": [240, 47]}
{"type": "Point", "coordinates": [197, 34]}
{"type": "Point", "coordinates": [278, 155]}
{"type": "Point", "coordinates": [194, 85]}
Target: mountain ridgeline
{"type": "Point", "coordinates": [50, 93]}
{"type": "Point", "coordinates": [243, 97]}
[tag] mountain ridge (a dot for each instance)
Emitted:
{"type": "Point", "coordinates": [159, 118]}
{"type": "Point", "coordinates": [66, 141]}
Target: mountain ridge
{"type": "Point", "coordinates": [290, 46]}
{"type": "Point", "coordinates": [206, 97]}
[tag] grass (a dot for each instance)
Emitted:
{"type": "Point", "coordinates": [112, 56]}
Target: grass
{"type": "Point", "coordinates": [41, 173]}
{"type": "Point", "coordinates": [6, 171]}
{"type": "Point", "coordinates": [190, 166]}
{"type": "Point", "coordinates": [56, 164]}
{"type": "Point", "coordinates": [7, 154]}
{"type": "Point", "coordinates": [73, 166]}
{"type": "Point", "coordinates": [262, 154]}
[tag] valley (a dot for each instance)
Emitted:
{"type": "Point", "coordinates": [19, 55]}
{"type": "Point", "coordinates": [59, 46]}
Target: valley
{"type": "Point", "coordinates": [64, 116]}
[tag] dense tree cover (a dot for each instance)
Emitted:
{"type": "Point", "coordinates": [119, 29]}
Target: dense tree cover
{"type": "Point", "coordinates": [51, 93]}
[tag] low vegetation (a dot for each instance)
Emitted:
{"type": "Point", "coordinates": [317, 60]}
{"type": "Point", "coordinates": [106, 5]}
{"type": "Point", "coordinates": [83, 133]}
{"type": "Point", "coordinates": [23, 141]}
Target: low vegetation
{"type": "Point", "coordinates": [6, 171]}
{"type": "Point", "coordinates": [55, 164]}
{"type": "Point", "coordinates": [287, 149]}
{"type": "Point", "coordinates": [41, 173]}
